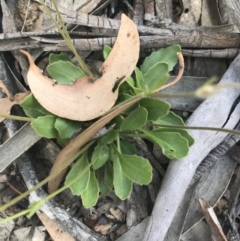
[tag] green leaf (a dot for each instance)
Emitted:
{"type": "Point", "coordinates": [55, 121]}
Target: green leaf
{"type": "Point", "coordinates": [155, 77]}
{"type": "Point", "coordinates": [108, 138]}
{"type": "Point", "coordinates": [56, 57]}
{"type": "Point", "coordinates": [156, 108]}
{"type": "Point", "coordinates": [44, 126]}
{"type": "Point", "coordinates": [66, 128]}
{"type": "Point", "coordinates": [106, 51]}
{"type": "Point", "coordinates": [173, 144]}
{"type": "Point", "coordinates": [139, 77]}
{"type": "Point", "coordinates": [164, 55]}
{"type": "Point", "coordinates": [32, 108]}
{"type": "Point", "coordinates": [77, 169]}
{"type": "Point", "coordinates": [135, 120]}
{"type": "Point", "coordinates": [137, 169]}
{"type": "Point", "coordinates": [64, 72]}
{"type": "Point", "coordinates": [62, 142]}
{"type": "Point", "coordinates": [106, 184]}
{"type": "Point", "coordinates": [122, 185]}
{"type": "Point", "coordinates": [123, 97]}
{"type": "Point", "coordinates": [170, 119]}
{"type": "Point", "coordinates": [101, 157]}
{"type": "Point", "coordinates": [128, 148]}
{"type": "Point", "coordinates": [91, 193]}
{"type": "Point", "coordinates": [131, 83]}
{"type": "Point", "coordinates": [173, 119]}
{"type": "Point", "coordinates": [182, 132]}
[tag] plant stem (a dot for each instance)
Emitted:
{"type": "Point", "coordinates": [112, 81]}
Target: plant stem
{"type": "Point", "coordinates": [15, 117]}
{"type": "Point", "coordinates": [12, 217]}
{"type": "Point", "coordinates": [197, 128]}
{"type": "Point", "coordinates": [118, 143]}
{"type": "Point", "coordinates": [63, 31]}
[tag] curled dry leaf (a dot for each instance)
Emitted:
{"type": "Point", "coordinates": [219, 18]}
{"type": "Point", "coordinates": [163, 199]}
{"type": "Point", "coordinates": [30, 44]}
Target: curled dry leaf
{"type": "Point", "coordinates": [86, 100]}
{"type": "Point", "coordinates": [6, 104]}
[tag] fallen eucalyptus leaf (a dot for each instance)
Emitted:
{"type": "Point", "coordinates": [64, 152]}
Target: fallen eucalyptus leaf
{"type": "Point", "coordinates": [84, 99]}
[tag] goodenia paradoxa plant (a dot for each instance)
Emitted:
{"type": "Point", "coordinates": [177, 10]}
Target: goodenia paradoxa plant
{"type": "Point", "coordinates": [84, 99]}
{"type": "Point", "coordinates": [151, 109]}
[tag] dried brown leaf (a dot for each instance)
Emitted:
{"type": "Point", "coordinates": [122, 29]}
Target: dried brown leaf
{"type": "Point", "coordinates": [211, 218]}
{"type": "Point", "coordinates": [86, 100]}
{"type": "Point", "coordinates": [53, 229]}
{"type": "Point", "coordinates": [6, 104]}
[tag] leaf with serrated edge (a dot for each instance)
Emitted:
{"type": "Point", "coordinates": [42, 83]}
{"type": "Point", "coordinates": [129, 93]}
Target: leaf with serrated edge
{"type": "Point", "coordinates": [56, 57]}
{"type": "Point", "coordinates": [58, 72]}
{"type": "Point", "coordinates": [156, 108]}
{"type": "Point", "coordinates": [66, 128]}
{"type": "Point", "coordinates": [44, 126]}
{"type": "Point", "coordinates": [32, 108]}
{"type": "Point", "coordinates": [182, 132]}
{"type": "Point", "coordinates": [164, 55]}
{"type": "Point", "coordinates": [173, 144]}
{"type": "Point", "coordinates": [80, 185]}
{"type": "Point", "coordinates": [91, 193]}
{"type": "Point", "coordinates": [136, 168]}
{"type": "Point", "coordinates": [122, 185]}
{"type": "Point", "coordinates": [170, 119]}
{"type": "Point", "coordinates": [134, 120]}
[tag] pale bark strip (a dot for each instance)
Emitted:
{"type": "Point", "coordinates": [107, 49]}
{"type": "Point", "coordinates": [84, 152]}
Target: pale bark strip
{"type": "Point", "coordinates": [213, 112]}
{"type": "Point", "coordinates": [164, 9]}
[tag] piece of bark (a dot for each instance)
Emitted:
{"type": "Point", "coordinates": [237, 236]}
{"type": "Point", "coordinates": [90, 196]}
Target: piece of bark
{"type": "Point", "coordinates": [149, 12]}
{"type": "Point", "coordinates": [191, 13]}
{"type": "Point", "coordinates": [138, 12]}
{"type": "Point", "coordinates": [164, 9]}
{"type": "Point", "coordinates": [233, 8]}
{"type": "Point", "coordinates": [216, 111]}
{"type": "Point", "coordinates": [212, 53]}
{"type": "Point", "coordinates": [211, 218]}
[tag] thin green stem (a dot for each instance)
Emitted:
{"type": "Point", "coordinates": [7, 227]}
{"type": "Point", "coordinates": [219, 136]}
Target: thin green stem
{"type": "Point", "coordinates": [198, 128]}
{"type": "Point", "coordinates": [15, 117]}
{"type": "Point", "coordinates": [118, 143]}
{"type": "Point", "coordinates": [40, 184]}
{"type": "Point", "coordinates": [174, 95]}
{"type": "Point", "coordinates": [63, 31]}
{"type": "Point", "coordinates": [12, 217]}
{"type": "Point", "coordinates": [67, 185]}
